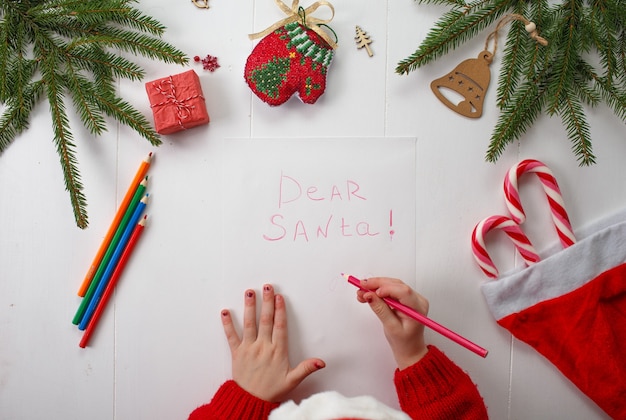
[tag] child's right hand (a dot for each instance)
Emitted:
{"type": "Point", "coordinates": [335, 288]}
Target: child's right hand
{"type": "Point", "coordinates": [404, 334]}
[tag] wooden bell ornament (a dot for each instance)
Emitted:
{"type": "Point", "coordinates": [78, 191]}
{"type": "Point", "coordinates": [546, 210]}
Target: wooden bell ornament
{"type": "Point", "coordinates": [470, 79]}
{"type": "Point", "coordinates": [201, 4]}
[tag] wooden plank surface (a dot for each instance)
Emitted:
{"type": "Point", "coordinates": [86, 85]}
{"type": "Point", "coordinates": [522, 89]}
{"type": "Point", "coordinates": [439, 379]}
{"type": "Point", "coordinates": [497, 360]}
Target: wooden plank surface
{"type": "Point", "coordinates": [159, 351]}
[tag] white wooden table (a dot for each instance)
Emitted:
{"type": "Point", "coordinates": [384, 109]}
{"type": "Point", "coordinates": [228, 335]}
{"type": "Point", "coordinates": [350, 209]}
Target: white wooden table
{"type": "Point", "coordinates": [159, 350]}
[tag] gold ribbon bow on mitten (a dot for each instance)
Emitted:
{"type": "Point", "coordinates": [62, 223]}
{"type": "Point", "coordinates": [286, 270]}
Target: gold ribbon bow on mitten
{"type": "Point", "coordinates": [295, 13]}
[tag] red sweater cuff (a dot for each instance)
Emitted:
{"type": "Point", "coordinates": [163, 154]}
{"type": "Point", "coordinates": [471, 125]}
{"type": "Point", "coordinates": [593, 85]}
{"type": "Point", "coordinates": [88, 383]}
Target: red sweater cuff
{"type": "Point", "coordinates": [233, 402]}
{"type": "Point", "coordinates": [436, 388]}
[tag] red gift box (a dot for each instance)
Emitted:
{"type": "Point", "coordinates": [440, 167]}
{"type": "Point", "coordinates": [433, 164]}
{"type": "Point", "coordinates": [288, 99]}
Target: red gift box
{"type": "Point", "coordinates": [177, 102]}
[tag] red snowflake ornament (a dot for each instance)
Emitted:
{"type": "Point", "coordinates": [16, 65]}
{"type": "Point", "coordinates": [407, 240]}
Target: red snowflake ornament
{"type": "Point", "coordinates": [208, 63]}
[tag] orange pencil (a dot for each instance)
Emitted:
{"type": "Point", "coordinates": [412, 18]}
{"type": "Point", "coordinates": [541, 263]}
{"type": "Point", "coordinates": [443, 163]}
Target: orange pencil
{"type": "Point", "coordinates": [141, 174]}
{"type": "Point", "coordinates": [108, 291]}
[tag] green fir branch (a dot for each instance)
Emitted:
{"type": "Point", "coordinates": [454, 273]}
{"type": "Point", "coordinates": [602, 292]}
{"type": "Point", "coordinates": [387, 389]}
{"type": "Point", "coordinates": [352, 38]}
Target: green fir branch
{"type": "Point", "coordinates": [63, 140]}
{"type": "Point", "coordinates": [125, 113]}
{"type": "Point", "coordinates": [621, 56]}
{"type": "Point", "coordinates": [60, 49]}
{"type": "Point", "coordinates": [603, 30]}
{"type": "Point", "coordinates": [451, 31]}
{"type": "Point", "coordinates": [582, 87]}
{"type": "Point", "coordinates": [540, 13]}
{"type": "Point", "coordinates": [103, 64]}
{"type": "Point", "coordinates": [15, 117]}
{"type": "Point", "coordinates": [533, 79]}
{"type": "Point", "coordinates": [513, 60]}
{"type": "Point", "coordinates": [82, 95]}
{"type": "Point", "coordinates": [135, 43]}
{"type": "Point", "coordinates": [573, 117]}
{"type": "Point", "coordinates": [563, 62]}
{"type": "Point", "coordinates": [518, 115]}
{"type": "Point", "coordinates": [614, 98]}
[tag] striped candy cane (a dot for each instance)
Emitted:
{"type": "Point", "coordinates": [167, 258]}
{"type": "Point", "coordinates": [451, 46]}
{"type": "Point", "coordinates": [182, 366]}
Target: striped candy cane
{"type": "Point", "coordinates": [512, 229]}
{"type": "Point", "coordinates": [551, 188]}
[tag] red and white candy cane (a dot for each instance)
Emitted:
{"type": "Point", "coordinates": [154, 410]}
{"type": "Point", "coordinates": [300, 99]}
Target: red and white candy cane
{"type": "Point", "coordinates": [512, 229]}
{"type": "Point", "coordinates": [551, 188]}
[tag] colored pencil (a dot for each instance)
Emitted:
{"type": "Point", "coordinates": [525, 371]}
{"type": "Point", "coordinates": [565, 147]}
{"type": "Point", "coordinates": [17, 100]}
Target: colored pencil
{"type": "Point", "coordinates": [424, 320]}
{"type": "Point", "coordinates": [128, 250]}
{"type": "Point", "coordinates": [139, 176]}
{"type": "Point", "coordinates": [95, 289]}
{"type": "Point", "coordinates": [130, 210]}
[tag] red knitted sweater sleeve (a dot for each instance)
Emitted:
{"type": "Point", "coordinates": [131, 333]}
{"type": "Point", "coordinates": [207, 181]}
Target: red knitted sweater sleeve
{"type": "Point", "coordinates": [435, 388]}
{"type": "Point", "coordinates": [233, 402]}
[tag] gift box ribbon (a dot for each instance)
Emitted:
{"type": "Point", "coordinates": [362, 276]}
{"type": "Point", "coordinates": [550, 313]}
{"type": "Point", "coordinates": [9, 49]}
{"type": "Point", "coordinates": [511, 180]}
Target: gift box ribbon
{"type": "Point", "coordinates": [167, 88]}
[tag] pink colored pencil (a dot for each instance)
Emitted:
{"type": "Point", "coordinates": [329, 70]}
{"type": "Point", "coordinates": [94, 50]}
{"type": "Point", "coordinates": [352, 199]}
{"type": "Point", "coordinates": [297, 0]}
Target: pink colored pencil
{"type": "Point", "coordinates": [108, 291]}
{"type": "Point", "coordinates": [425, 320]}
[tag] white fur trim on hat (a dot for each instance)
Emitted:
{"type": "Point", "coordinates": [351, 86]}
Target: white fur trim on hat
{"type": "Point", "coordinates": [332, 405]}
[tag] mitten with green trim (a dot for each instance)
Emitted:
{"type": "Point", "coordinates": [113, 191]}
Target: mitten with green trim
{"type": "Point", "coordinates": [291, 59]}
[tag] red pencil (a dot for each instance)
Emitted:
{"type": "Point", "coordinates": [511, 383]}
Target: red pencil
{"type": "Point", "coordinates": [108, 291]}
{"type": "Point", "coordinates": [425, 320]}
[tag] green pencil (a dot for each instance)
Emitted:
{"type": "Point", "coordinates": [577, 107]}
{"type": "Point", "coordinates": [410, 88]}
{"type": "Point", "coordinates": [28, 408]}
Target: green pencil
{"type": "Point", "coordinates": [139, 193]}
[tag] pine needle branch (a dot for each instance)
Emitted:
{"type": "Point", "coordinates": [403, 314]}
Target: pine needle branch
{"type": "Point", "coordinates": [518, 115]}
{"type": "Point", "coordinates": [513, 60]}
{"type": "Point", "coordinates": [536, 80]}
{"type": "Point", "coordinates": [567, 38]}
{"type": "Point", "coordinates": [81, 95]}
{"type": "Point", "coordinates": [452, 30]}
{"type": "Point", "coordinates": [124, 112]}
{"type": "Point", "coordinates": [64, 142]}
{"type": "Point", "coordinates": [573, 117]}
{"type": "Point", "coordinates": [15, 117]}
{"type": "Point", "coordinates": [60, 48]}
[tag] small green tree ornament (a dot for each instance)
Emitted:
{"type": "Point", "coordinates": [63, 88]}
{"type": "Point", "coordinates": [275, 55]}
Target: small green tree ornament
{"type": "Point", "coordinates": [558, 79]}
{"type": "Point", "coordinates": [55, 49]}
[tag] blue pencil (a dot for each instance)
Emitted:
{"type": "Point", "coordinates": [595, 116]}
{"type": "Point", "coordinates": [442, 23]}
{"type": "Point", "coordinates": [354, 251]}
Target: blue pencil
{"type": "Point", "coordinates": [113, 263]}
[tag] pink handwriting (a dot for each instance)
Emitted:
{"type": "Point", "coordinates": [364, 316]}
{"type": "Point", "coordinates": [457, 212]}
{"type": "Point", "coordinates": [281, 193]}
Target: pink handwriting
{"type": "Point", "coordinates": [299, 230]}
{"type": "Point", "coordinates": [291, 190]}
{"type": "Point", "coordinates": [285, 224]}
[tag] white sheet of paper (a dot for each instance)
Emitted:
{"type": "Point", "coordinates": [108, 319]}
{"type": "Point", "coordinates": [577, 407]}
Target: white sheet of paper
{"type": "Point", "coordinates": [299, 212]}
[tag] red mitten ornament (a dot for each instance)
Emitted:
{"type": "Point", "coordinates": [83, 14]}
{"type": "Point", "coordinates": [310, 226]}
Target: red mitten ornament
{"type": "Point", "coordinates": [293, 56]}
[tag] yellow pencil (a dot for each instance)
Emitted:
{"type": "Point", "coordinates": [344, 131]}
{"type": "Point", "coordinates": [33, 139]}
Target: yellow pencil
{"type": "Point", "coordinates": [141, 173]}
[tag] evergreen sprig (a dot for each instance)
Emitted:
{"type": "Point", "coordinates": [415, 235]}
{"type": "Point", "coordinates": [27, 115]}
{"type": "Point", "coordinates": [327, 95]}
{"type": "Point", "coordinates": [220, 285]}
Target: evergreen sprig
{"type": "Point", "coordinates": [558, 79]}
{"type": "Point", "coordinates": [60, 48]}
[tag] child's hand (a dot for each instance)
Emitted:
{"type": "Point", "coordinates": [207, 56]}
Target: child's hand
{"type": "Point", "coordinates": [404, 334]}
{"type": "Point", "coordinates": [260, 357]}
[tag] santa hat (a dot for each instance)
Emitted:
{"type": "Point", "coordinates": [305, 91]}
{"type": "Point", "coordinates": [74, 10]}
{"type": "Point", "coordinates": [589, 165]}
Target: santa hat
{"type": "Point", "coordinates": [569, 304]}
{"type": "Point", "coordinates": [332, 405]}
